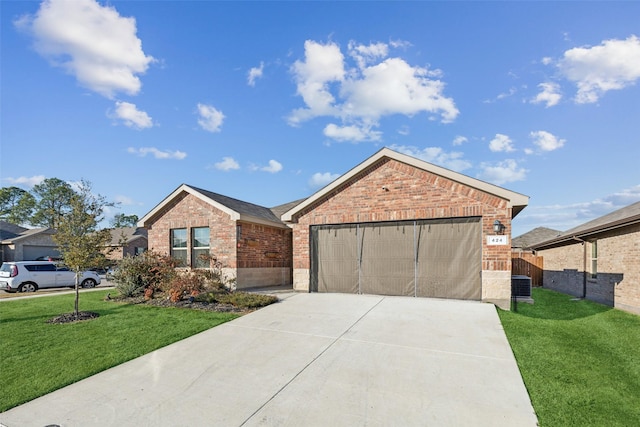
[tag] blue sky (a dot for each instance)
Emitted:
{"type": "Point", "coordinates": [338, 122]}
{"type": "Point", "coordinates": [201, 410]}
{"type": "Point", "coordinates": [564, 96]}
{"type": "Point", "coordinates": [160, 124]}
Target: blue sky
{"type": "Point", "coordinates": [269, 101]}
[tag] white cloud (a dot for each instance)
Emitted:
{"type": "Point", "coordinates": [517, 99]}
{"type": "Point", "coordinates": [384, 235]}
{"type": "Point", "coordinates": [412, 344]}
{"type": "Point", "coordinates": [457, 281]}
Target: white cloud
{"type": "Point", "coordinates": [352, 133]}
{"type": "Point", "coordinates": [546, 141]}
{"type": "Point", "coordinates": [131, 116]}
{"type": "Point", "coordinates": [92, 42]}
{"type": "Point", "coordinates": [502, 172]}
{"type": "Point", "coordinates": [435, 155]}
{"type": "Point", "coordinates": [361, 95]}
{"type": "Point", "coordinates": [274, 167]}
{"type": "Point", "coordinates": [158, 154]}
{"type": "Point", "coordinates": [227, 164]}
{"type": "Point", "coordinates": [459, 140]}
{"type": "Point", "coordinates": [367, 54]}
{"type": "Point", "coordinates": [501, 143]}
{"type": "Point", "coordinates": [210, 119]}
{"type": "Point", "coordinates": [613, 64]}
{"type": "Point", "coordinates": [549, 95]}
{"type": "Point", "coordinates": [254, 74]}
{"type": "Point", "coordinates": [27, 181]}
{"type": "Point", "coordinates": [321, 179]}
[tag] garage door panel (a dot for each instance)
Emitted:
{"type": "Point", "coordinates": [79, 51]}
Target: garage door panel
{"type": "Point", "coordinates": [388, 266]}
{"type": "Point", "coordinates": [336, 259]}
{"type": "Point", "coordinates": [449, 259]}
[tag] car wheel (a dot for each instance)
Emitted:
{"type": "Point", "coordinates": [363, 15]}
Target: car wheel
{"type": "Point", "coordinates": [89, 283]}
{"type": "Point", "coordinates": [28, 287]}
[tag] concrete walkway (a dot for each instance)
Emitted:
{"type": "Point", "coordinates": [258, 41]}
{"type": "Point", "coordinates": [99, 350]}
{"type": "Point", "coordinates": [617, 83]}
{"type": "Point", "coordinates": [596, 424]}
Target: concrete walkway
{"type": "Point", "coordinates": [312, 360]}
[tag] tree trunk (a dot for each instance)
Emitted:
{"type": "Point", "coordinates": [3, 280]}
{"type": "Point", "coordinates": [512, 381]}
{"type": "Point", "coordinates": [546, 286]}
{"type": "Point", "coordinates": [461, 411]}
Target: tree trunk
{"type": "Point", "coordinates": [77, 312]}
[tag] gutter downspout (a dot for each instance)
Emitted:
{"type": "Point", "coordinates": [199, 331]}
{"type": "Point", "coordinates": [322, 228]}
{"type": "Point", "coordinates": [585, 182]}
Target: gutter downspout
{"type": "Point", "coordinates": [584, 266]}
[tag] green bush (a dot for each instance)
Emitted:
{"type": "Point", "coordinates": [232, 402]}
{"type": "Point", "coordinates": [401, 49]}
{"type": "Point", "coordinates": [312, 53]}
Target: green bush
{"type": "Point", "coordinates": [238, 299]}
{"type": "Point", "coordinates": [149, 270]}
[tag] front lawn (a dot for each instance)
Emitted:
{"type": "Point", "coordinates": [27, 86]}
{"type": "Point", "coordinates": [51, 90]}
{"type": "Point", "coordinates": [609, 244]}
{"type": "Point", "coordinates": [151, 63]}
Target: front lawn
{"type": "Point", "coordinates": [579, 360]}
{"type": "Point", "coordinates": [38, 357]}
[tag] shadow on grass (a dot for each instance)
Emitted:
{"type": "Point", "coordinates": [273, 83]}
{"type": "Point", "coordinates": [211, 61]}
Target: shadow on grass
{"type": "Point", "coordinates": [553, 305]}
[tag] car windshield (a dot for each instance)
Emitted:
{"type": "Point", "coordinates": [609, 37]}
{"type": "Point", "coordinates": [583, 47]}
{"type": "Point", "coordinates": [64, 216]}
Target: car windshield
{"type": "Point", "coordinates": [6, 268]}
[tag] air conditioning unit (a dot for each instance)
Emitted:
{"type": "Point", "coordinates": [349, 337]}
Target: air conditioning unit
{"type": "Point", "coordinates": [521, 286]}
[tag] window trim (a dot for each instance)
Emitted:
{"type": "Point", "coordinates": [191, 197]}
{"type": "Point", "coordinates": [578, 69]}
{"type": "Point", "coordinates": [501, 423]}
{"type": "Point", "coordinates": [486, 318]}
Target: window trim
{"type": "Point", "coordinates": [593, 260]}
{"type": "Point", "coordinates": [184, 251]}
{"type": "Point", "coordinates": [195, 263]}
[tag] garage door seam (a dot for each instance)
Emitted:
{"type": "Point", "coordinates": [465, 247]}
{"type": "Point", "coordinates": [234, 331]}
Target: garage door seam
{"type": "Point", "coordinates": [311, 362]}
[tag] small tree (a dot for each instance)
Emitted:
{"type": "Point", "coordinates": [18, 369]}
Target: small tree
{"type": "Point", "coordinates": [78, 238]}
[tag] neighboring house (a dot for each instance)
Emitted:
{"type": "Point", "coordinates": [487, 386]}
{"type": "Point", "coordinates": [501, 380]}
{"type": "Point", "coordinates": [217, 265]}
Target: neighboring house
{"type": "Point", "coordinates": [250, 241]}
{"type": "Point", "coordinates": [127, 241]}
{"type": "Point", "coordinates": [524, 242]}
{"type": "Point", "coordinates": [24, 244]}
{"type": "Point", "coordinates": [599, 260]}
{"type": "Point", "coordinates": [393, 225]}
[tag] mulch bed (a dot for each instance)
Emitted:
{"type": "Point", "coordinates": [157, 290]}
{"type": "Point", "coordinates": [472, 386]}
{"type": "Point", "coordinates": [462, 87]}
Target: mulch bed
{"type": "Point", "coordinates": [197, 305]}
{"type": "Point", "coordinates": [71, 317]}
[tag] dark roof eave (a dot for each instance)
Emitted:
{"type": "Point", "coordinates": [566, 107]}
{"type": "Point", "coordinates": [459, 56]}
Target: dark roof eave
{"type": "Point", "coordinates": [581, 235]}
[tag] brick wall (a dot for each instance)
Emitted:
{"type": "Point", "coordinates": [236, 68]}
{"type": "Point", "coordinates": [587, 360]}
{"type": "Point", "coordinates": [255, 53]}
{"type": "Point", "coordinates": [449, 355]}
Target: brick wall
{"type": "Point", "coordinates": [260, 257]}
{"type": "Point", "coordinates": [617, 282]}
{"type": "Point", "coordinates": [410, 193]}
{"type": "Point", "coordinates": [188, 211]}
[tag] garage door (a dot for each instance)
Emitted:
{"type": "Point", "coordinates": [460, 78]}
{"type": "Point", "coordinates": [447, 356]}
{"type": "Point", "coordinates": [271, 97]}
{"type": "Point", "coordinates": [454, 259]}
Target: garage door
{"type": "Point", "coordinates": [427, 258]}
{"type": "Point", "coordinates": [31, 252]}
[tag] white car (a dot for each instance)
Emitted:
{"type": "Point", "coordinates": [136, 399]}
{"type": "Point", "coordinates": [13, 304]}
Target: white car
{"type": "Point", "coordinates": [29, 276]}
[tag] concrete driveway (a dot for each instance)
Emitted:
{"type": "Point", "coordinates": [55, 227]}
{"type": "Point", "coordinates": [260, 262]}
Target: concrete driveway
{"type": "Point", "coordinates": [312, 360]}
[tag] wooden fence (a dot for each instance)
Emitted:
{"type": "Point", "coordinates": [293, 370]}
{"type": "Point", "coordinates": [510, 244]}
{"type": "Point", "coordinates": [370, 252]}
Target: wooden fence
{"type": "Point", "coordinates": [527, 264]}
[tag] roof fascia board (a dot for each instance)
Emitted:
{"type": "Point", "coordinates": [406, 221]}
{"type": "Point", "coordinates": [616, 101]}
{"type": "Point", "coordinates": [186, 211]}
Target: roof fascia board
{"type": "Point", "coordinates": [256, 220]}
{"type": "Point", "coordinates": [515, 200]}
{"type": "Point", "coordinates": [588, 232]}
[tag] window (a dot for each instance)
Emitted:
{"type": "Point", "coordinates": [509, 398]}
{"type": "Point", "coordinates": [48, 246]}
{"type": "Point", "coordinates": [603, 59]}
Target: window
{"type": "Point", "coordinates": [200, 247]}
{"type": "Point", "coordinates": [179, 245]}
{"type": "Point", "coordinates": [594, 260]}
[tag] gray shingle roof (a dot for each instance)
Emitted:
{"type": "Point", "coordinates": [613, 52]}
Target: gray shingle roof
{"type": "Point", "coordinates": [243, 208]}
{"type": "Point", "coordinates": [620, 218]}
{"type": "Point", "coordinates": [537, 235]}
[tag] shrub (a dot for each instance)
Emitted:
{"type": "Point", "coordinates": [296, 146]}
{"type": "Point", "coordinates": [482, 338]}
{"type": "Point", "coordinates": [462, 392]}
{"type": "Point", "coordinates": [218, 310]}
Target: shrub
{"type": "Point", "coordinates": [149, 270]}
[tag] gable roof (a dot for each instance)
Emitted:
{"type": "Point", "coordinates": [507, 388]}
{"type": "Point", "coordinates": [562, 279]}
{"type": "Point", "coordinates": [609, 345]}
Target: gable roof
{"type": "Point", "coordinates": [516, 201]}
{"type": "Point", "coordinates": [128, 234]}
{"type": "Point", "coordinates": [11, 233]}
{"type": "Point", "coordinates": [236, 209]}
{"type": "Point", "coordinates": [9, 230]}
{"type": "Point", "coordinates": [626, 216]}
{"type": "Point", "coordinates": [537, 235]}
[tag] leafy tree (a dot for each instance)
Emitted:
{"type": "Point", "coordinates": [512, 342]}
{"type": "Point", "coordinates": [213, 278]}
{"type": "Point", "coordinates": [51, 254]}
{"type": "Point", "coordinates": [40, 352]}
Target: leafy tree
{"type": "Point", "coordinates": [78, 238]}
{"type": "Point", "coordinates": [122, 220]}
{"type": "Point", "coordinates": [53, 201]}
{"type": "Point", "coordinates": [16, 205]}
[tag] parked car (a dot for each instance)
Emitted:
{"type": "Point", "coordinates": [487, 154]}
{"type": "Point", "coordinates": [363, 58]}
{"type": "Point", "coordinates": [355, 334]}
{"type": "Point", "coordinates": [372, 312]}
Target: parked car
{"type": "Point", "coordinates": [29, 276]}
{"type": "Point", "coordinates": [48, 258]}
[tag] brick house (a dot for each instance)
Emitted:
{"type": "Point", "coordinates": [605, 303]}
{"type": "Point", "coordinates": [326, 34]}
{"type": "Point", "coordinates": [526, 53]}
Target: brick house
{"type": "Point", "coordinates": [250, 241]}
{"type": "Point", "coordinates": [127, 241]}
{"type": "Point", "coordinates": [393, 225]}
{"type": "Point", "coordinates": [598, 260]}
{"type": "Point", "coordinates": [397, 225]}
{"type": "Point", "coordinates": [26, 244]}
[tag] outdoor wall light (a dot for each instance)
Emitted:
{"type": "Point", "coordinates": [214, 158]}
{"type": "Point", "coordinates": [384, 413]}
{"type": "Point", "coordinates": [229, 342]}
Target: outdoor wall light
{"type": "Point", "coordinates": [498, 227]}
{"type": "Point", "coordinates": [384, 188]}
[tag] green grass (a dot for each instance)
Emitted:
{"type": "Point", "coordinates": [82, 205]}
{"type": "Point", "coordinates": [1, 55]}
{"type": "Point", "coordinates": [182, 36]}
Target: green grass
{"type": "Point", "coordinates": [579, 360]}
{"type": "Point", "coordinates": [37, 358]}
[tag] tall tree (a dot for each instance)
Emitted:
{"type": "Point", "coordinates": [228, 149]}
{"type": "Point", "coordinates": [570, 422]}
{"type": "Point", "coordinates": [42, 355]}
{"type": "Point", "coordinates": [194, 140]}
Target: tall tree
{"type": "Point", "coordinates": [16, 205]}
{"type": "Point", "coordinates": [122, 220]}
{"type": "Point", "coordinates": [78, 238]}
{"type": "Point", "coordinates": [53, 200]}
